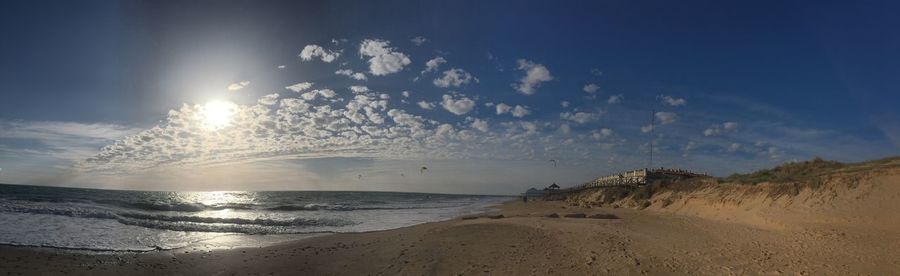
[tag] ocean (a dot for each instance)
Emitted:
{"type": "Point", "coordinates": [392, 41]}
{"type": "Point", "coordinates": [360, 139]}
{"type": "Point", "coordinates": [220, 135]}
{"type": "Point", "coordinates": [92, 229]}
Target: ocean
{"type": "Point", "coordinates": [116, 220]}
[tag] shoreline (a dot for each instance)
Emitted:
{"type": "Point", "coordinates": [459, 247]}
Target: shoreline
{"type": "Point", "coordinates": [525, 240]}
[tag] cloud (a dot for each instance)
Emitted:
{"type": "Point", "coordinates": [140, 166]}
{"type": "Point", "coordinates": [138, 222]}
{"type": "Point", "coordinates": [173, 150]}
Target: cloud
{"type": "Point", "coordinates": [615, 99]}
{"type": "Point", "coordinates": [433, 64]}
{"type": "Point", "coordinates": [565, 128]}
{"type": "Point", "coordinates": [383, 60]}
{"type": "Point", "coordinates": [734, 147]}
{"type": "Point", "coordinates": [717, 129]}
{"type": "Point", "coordinates": [268, 99]}
{"type": "Point", "coordinates": [672, 101]}
{"type": "Point", "coordinates": [480, 125]}
{"type": "Point", "coordinates": [282, 66]}
{"type": "Point", "coordinates": [502, 108]}
{"type": "Point", "coordinates": [351, 74]}
{"type": "Point", "coordinates": [405, 94]}
{"type": "Point", "coordinates": [591, 88]}
{"type": "Point", "coordinates": [601, 134]}
{"type": "Point", "coordinates": [646, 128]}
{"type": "Point", "coordinates": [238, 86]}
{"type": "Point", "coordinates": [564, 104]}
{"type": "Point", "coordinates": [520, 111]}
{"type": "Point", "coordinates": [596, 72]}
{"type": "Point", "coordinates": [315, 51]}
{"type": "Point", "coordinates": [455, 78]}
{"type": "Point", "coordinates": [666, 118]}
{"type": "Point", "coordinates": [356, 89]}
{"type": "Point", "coordinates": [299, 87]}
{"type": "Point", "coordinates": [459, 106]}
{"type": "Point", "coordinates": [419, 40]}
{"type": "Point", "coordinates": [425, 105]}
{"type": "Point", "coordinates": [535, 74]}
{"type": "Point", "coordinates": [59, 140]}
{"type": "Point", "coordinates": [579, 117]}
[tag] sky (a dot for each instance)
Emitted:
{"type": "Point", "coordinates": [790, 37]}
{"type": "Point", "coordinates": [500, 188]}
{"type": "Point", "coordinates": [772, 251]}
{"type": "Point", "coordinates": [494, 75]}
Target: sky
{"type": "Point", "coordinates": [360, 95]}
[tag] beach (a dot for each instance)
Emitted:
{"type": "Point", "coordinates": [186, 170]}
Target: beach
{"type": "Point", "coordinates": [524, 241]}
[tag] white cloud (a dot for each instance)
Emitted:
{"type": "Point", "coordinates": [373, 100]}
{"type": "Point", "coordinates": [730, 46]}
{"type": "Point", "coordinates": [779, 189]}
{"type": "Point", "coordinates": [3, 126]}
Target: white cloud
{"type": "Point", "coordinates": [601, 134]}
{"type": "Point", "coordinates": [315, 51]}
{"type": "Point", "coordinates": [565, 128]}
{"type": "Point", "coordinates": [579, 117]}
{"type": "Point", "coordinates": [614, 99]}
{"type": "Point", "coordinates": [454, 77]}
{"type": "Point", "coordinates": [596, 72]}
{"type": "Point", "coordinates": [480, 125]}
{"type": "Point", "coordinates": [359, 89]}
{"type": "Point", "coordinates": [729, 125]}
{"type": "Point", "coordinates": [520, 111]}
{"type": "Point", "coordinates": [717, 129]}
{"type": "Point", "coordinates": [666, 118]}
{"type": "Point", "coordinates": [268, 99]}
{"type": "Point", "coordinates": [591, 88]}
{"type": "Point", "coordinates": [535, 74]}
{"type": "Point", "coordinates": [60, 140]}
{"type": "Point", "coordinates": [672, 101]}
{"type": "Point", "coordinates": [351, 74]}
{"type": "Point", "coordinates": [647, 128]}
{"type": "Point", "coordinates": [419, 40]}
{"type": "Point", "coordinates": [238, 86]}
{"type": "Point", "coordinates": [383, 60]}
{"type": "Point", "coordinates": [282, 66]}
{"type": "Point", "coordinates": [405, 94]}
{"type": "Point", "coordinates": [564, 104]}
{"type": "Point", "coordinates": [299, 87]}
{"type": "Point", "coordinates": [425, 105]}
{"type": "Point", "coordinates": [502, 108]}
{"type": "Point", "coordinates": [433, 64]}
{"type": "Point", "coordinates": [734, 147]}
{"type": "Point", "coordinates": [459, 106]}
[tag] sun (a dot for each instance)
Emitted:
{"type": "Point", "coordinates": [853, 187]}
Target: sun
{"type": "Point", "coordinates": [218, 114]}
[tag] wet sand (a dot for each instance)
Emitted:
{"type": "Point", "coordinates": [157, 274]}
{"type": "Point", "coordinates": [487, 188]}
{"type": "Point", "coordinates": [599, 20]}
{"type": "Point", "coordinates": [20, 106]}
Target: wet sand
{"type": "Point", "coordinates": [525, 241]}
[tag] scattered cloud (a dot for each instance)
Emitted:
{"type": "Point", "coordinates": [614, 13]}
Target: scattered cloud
{"type": "Point", "coordinates": [520, 111]}
{"type": "Point", "coordinates": [383, 59]}
{"type": "Point", "coordinates": [405, 94]}
{"type": "Point", "coordinates": [268, 99]}
{"type": "Point", "coordinates": [564, 104]}
{"type": "Point", "coordinates": [718, 129]}
{"type": "Point", "coordinates": [672, 101]}
{"type": "Point", "coordinates": [238, 86]}
{"type": "Point", "coordinates": [591, 88]}
{"type": "Point", "coordinates": [425, 105]}
{"type": "Point", "coordinates": [418, 41]}
{"type": "Point", "coordinates": [535, 74]}
{"type": "Point", "coordinates": [356, 89]}
{"type": "Point", "coordinates": [356, 76]}
{"type": "Point", "coordinates": [454, 77]}
{"type": "Point", "coordinates": [458, 105]}
{"type": "Point", "coordinates": [579, 117]}
{"type": "Point", "coordinates": [299, 87]}
{"type": "Point", "coordinates": [666, 118]}
{"type": "Point", "coordinates": [480, 125]}
{"type": "Point", "coordinates": [734, 147]}
{"type": "Point", "coordinates": [615, 99]}
{"type": "Point", "coordinates": [433, 64]}
{"type": "Point", "coordinates": [596, 72]}
{"type": "Point", "coordinates": [313, 51]}
{"type": "Point", "coordinates": [502, 108]}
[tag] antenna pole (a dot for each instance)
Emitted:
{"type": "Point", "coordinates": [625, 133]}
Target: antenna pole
{"type": "Point", "coordinates": [651, 138]}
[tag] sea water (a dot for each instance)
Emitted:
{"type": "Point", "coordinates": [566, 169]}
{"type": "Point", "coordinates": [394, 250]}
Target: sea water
{"type": "Point", "coordinates": [115, 220]}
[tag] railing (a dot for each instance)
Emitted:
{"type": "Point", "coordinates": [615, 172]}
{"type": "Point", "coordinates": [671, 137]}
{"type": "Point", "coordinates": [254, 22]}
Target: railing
{"type": "Point", "coordinates": [625, 179]}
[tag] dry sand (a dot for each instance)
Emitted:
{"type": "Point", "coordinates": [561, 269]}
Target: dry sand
{"type": "Point", "coordinates": [856, 230]}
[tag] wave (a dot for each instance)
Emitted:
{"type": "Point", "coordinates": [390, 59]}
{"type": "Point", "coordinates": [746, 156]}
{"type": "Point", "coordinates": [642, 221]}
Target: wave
{"type": "Point", "coordinates": [184, 223]}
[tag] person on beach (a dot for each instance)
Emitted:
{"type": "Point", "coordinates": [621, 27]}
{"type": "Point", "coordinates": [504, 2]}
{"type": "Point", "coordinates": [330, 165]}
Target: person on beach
{"type": "Point", "coordinates": [525, 199]}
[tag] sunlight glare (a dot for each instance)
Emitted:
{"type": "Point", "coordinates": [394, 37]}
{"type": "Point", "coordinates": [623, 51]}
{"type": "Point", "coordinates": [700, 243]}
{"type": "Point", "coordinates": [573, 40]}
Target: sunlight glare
{"type": "Point", "coordinates": [218, 114]}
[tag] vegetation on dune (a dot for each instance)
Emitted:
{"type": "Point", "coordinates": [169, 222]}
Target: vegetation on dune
{"type": "Point", "coordinates": [809, 172]}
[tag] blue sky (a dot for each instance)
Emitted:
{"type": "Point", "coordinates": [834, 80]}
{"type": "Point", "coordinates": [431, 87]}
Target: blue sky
{"type": "Point", "coordinates": [116, 94]}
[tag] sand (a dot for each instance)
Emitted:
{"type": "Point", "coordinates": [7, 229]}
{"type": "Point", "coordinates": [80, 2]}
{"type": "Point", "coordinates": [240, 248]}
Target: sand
{"type": "Point", "coordinates": [838, 230]}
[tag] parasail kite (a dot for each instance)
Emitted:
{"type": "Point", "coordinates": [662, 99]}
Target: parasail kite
{"type": "Point", "coordinates": [423, 169]}
{"type": "Point", "coordinates": [554, 162]}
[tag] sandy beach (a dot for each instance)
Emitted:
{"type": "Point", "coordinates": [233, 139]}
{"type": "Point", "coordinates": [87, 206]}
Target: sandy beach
{"type": "Point", "coordinates": [525, 241]}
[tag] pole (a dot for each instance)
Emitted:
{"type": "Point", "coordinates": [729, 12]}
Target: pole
{"type": "Point", "coordinates": [651, 138]}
